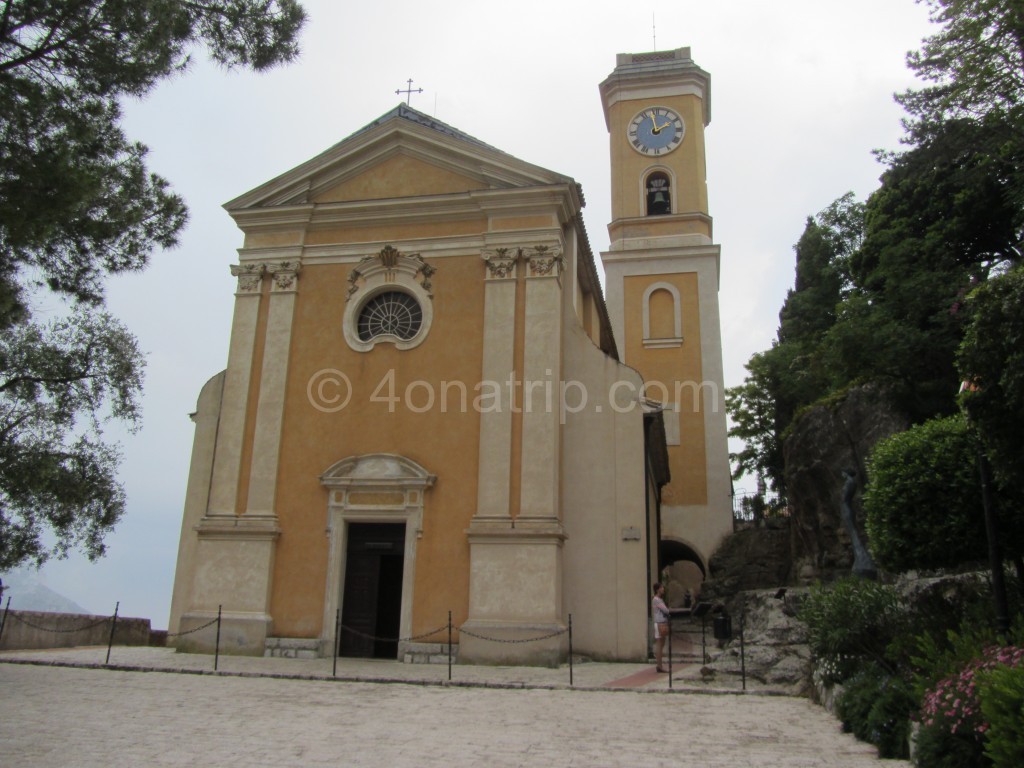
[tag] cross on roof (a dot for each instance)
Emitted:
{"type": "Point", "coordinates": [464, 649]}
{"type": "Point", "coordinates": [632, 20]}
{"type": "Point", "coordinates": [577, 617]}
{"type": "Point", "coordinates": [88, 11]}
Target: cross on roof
{"type": "Point", "coordinates": [409, 91]}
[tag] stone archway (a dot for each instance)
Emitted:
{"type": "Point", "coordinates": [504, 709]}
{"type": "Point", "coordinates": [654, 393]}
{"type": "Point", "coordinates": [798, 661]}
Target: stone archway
{"type": "Point", "coordinates": [682, 570]}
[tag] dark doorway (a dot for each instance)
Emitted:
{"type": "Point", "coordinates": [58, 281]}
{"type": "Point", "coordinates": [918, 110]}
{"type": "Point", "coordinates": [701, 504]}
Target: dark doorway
{"type": "Point", "coordinates": [372, 603]}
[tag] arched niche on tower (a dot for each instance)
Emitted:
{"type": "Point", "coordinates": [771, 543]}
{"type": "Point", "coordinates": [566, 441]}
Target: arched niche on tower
{"type": "Point", "coordinates": [662, 316]}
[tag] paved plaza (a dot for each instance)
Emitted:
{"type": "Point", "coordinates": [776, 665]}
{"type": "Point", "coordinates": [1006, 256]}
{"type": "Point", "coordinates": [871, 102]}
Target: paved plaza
{"type": "Point", "coordinates": [153, 707]}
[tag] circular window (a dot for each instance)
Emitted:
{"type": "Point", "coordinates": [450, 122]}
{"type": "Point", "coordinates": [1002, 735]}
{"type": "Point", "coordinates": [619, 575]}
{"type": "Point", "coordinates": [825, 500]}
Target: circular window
{"type": "Point", "coordinates": [393, 313]}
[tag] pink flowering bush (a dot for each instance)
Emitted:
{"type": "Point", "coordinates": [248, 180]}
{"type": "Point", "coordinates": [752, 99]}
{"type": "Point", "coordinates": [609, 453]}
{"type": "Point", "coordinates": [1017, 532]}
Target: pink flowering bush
{"type": "Point", "coordinates": [953, 727]}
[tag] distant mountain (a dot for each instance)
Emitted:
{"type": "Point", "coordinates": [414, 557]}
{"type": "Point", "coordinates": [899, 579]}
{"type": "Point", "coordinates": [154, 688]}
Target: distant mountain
{"type": "Point", "coordinates": [28, 593]}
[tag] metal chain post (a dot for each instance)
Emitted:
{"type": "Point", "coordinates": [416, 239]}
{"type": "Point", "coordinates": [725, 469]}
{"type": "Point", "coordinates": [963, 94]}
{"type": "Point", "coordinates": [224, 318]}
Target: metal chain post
{"type": "Point", "coordinates": [113, 624]}
{"type": "Point", "coordinates": [3, 620]}
{"type": "Point", "coordinates": [337, 642]}
{"type": "Point", "coordinates": [743, 652]}
{"type": "Point", "coordinates": [570, 650]}
{"type": "Point", "coordinates": [670, 633]}
{"type": "Point", "coordinates": [216, 648]}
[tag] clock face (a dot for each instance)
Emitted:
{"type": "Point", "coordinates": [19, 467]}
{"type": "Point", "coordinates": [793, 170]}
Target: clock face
{"type": "Point", "coordinates": [655, 131]}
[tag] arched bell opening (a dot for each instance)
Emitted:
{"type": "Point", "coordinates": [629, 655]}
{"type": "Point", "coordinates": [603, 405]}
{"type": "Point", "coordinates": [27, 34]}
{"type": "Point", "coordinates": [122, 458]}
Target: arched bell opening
{"type": "Point", "coordinates": [659, 194]}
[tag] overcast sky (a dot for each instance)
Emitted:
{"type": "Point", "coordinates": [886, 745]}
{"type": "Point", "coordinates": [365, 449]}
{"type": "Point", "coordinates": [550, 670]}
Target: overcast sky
{"type": "Point", "coordinates": [801, 94]}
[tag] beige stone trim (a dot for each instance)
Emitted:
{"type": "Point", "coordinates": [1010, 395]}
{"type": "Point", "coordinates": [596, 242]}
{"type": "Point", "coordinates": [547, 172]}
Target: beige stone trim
{"type": "Point", "coordinates": [228, 453]}
{"type": "Point", "coordinates": [197, 494]}
{"type": "Point", "coordinates": [273, 379]}
{"type": "Point", "coordinates": [250, 277]}
{"type": "Point", "coordinates": [495, 452]}
{"type": "Point", "coordinates": [542, 374]}
{"type": "Point", "coordinates": [677, 317]}
{"type": "Point", "coordinates": [285, 276]}
{"type": "Point", "coordinates": [544, 261]}
{"type": "Point", "coordinates": [388, 270]}
{"type": "Point", "coordinates": [373, 488]}
{"type": "Point", "coordinates": [501, 263]}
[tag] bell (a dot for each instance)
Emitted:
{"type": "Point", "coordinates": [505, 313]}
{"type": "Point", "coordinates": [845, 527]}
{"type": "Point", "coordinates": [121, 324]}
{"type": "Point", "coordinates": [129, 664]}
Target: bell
{"type": "Point", "coordinates": [659, 203]}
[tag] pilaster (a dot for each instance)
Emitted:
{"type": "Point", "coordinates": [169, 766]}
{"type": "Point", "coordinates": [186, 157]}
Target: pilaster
{"type": "Point", "coordinates": [270, 407]}
{"type": "Point", "coordinates": [495, 453]}
{"type": "Point", "coordinates": [542, 381]}
{"type": "Point", "coordinates": [515, 602]}
{"type": "Point", "coordinates": [230, 432]}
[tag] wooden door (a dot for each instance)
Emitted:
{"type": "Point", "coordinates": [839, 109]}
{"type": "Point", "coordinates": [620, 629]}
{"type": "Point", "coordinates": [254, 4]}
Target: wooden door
{"type": "Point", "coordinates": [372, 599]}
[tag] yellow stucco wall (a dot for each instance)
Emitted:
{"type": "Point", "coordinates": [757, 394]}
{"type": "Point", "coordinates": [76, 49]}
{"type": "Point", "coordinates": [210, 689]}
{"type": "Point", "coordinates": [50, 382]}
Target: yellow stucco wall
{"type": "Point", "coordinates": [685, 165]}
{"type": "Point", "coordinates": [679, 370]}
{"type": "Point", "coordinates": [399, 176]}
{"type": "Point", "coordinates": [444, 443]}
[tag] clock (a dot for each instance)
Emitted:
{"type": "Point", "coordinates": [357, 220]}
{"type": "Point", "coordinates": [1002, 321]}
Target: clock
{"type": "Point", "coordinates": [655, 131]}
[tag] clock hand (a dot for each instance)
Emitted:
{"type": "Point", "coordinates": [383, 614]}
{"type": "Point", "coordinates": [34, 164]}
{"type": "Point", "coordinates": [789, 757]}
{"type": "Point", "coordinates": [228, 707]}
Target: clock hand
{"type": "Point", "coordinates": [654, 124]}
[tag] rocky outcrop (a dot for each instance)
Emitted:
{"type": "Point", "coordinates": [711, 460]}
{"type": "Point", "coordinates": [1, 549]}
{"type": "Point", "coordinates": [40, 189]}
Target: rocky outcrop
{"type": "Point", "coordinates": [753, 558]}
{"type": "Point", "coordinates": [810, 542]}
{"type": "Point", "coordinates": [773, 654]}
{"type": "Point", "coordinates": [824, 443]}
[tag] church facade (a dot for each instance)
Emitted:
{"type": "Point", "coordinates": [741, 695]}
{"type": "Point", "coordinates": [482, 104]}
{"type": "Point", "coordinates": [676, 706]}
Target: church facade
{"type": "Point", "coordinates": [431, 415]}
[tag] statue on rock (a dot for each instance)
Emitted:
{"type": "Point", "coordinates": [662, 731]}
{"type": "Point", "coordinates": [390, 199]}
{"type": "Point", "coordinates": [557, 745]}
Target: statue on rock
{"type": "Point", "coordinates": [863, 565]}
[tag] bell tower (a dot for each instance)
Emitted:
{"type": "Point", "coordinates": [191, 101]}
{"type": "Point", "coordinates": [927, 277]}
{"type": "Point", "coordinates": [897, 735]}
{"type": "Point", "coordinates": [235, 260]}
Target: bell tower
{"type": "Point", "coordinates": [662, 280]}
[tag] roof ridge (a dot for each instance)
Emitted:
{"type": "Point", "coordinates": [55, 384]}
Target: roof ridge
{"type": "Point", "coordinates": [406, 112]}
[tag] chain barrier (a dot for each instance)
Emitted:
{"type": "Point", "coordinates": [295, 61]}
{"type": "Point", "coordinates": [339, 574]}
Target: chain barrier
{"type": "Point", "coordinates": [210, 623]}
{"type": "Point", "coordinates": [514, 642]}
{"type": "Point", "coordinates": [447, 627]}
{"type": "Point", "coordinates": [28, 623]}
{"type": "Point", "coordinates": [356, 632]}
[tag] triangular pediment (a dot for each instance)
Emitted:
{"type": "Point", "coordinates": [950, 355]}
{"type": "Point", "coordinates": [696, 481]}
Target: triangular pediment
{"type": "Point", "coordinates": [401, 154]}
{"type": "Point", "coordinates": [401, 175]}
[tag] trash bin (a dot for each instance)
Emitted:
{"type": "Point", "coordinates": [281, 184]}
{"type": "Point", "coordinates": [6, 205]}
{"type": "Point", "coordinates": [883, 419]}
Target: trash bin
{"type": "Point", "coordinates": [722, 625]}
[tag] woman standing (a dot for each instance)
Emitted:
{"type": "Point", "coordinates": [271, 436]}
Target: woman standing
{"type": "Point", "coordinates": [660, 614]}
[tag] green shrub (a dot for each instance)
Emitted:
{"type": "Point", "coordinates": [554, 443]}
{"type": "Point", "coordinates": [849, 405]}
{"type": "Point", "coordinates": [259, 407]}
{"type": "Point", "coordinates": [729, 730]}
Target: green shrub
{"type": "Point", "coordinates": [850, 622]}
{"type": "Point", "coordinates": [944, 625]}
{"type": "Point", "coordinates": [1002, 705]}
{"type": "Point", "coordinates": [923, 502]}
{"type": "Point", "coordinates": [938, 748]}
{"type": "Point", "coordinates": [876, 708]}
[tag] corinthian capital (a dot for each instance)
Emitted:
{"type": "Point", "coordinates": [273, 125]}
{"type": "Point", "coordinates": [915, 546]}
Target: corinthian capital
{"type": "Point", "coordinates": [249, 276]}
{"type": "Point", "coordinates": [285, 275]}
{"type": "Point", "coordinates": [544, 260]}
{"type": "Point", "coordinates": [501, 262]}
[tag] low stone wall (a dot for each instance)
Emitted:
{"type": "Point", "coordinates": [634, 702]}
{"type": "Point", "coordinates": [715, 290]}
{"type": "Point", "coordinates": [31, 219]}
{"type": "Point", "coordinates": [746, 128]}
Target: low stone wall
{"type": "Point", "coordinates": [34, 630]}
{"type": "Point", "coordinates": [774, 652]}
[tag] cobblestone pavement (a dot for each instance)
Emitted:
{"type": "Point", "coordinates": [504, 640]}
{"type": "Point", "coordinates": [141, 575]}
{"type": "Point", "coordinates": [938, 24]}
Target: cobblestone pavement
{"type": "Point", "coordinates": [282, 712]}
